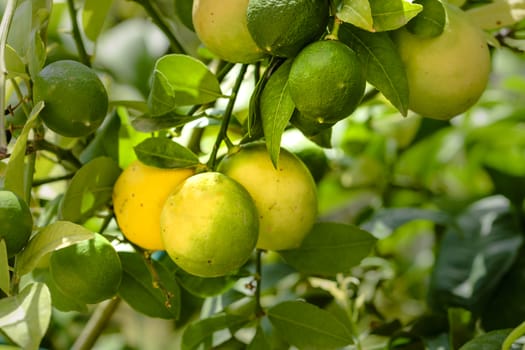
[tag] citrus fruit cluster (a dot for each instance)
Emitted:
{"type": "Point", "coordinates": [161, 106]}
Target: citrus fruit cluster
{"type": "Point", "coordinates": [75, 99]}
{"type": "Point", "coordinates": [210, 222]}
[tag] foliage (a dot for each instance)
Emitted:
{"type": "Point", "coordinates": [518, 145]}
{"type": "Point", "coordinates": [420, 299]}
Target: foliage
{"type": "Point", "coordinates": [419, 239]}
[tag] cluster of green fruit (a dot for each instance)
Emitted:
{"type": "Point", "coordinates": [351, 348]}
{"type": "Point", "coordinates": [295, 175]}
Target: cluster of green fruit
{"type": "Point", "coordinates": [210, 222]}
{"type": "Point", "coordinates": [446, 73]}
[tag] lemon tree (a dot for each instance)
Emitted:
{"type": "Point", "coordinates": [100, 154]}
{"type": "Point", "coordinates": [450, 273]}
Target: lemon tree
{"type": "Point", "coordinates": [464, 64]}
{"type": "Point", "coordinates": [16, 221]}
{"type": "Point", "coordinates": [89, 271]}
{"type": "Point", "coordinates": [219, 237]}
{"type": "Point", "coordinates": [258, 174]}
{"type": "Point", "coordinates": [294, 24]}
{"type": "Point", "coordinates": [75, 98]}
{"type": "Point", "coordinates": [285, 196]}
{"type": "Point", "coordinates": [222, 27]}
{"type": "Point", "coordinates": [138, 197]}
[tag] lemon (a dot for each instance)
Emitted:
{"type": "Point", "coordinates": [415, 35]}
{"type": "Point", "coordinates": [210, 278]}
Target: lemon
{"type": "Point", "coordinates": [283, 28]}
{"type": "Point", "coordinates": [326, 81]}
{"type": "Point", "coordinates": [286, 197]}
{"type": "Point", "coordinates": [446, 74]}
{"type": "Point", "coordinates": [209, 225]}
{"type": "Point", "coordinates": [88, 271]}
{"type": "Point", "coordinates": [222, 28]}
{"type": "Point", "coordinates": [16, 222]}
{"type": "Point", "coordinates": [76, 101]}
{"type": "Point", "coordinates": [138, 196]}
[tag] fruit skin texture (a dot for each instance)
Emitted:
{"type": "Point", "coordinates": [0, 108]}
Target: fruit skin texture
{"type": "Point", "coordinates": [446, 74]}
{"type": "Point", "coordinates": [222, 28]}
{"type": "Point", "coordinates": [286, 198]}
{"type": "Point", "coordinates": [88, 271]}
{"type": "Point", "coordinates": [283, 28]}
{"type": "Point", "coordinates": [138, 197]}
{"type": "Point", "coordinates": [16, 222]}
{"type": "Point", "coordinates": [326, 81]}
{"type": "Point", "coordinates": [76, 101]}
{"type": "Point", "coordinates": [209, 225]}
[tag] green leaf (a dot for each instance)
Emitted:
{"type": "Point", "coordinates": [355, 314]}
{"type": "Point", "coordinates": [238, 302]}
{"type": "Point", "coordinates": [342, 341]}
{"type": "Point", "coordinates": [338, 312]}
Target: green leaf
{"type": "Point", "coordinates": [106, 141]}
{"type": "Point", "coordinates": [358, 13]}
{"type": "Point", "coordinates": [383, 66]}
{"type": "Point", "coordinates": [431, 21]}
{"type": "Point", "coordinates": [393, 14]}
{"type": "Point", "coordinates": [488, 341]}
{"type": "Point", "coordinates": [14, 174]}
{"type": "Point", "coordinates": [277, 108]}
{"type": "Point", "coordinates": [4, 268]}
{"type": "Point", "coordinates": [330, 248]}
{"type": "Point", "coordinates": [204, 287]}
{"type": "Point", "coordinates": [19, 35]}
{"type": "Point", "coordinates": [181, 80]}
{"type": "Point", "coordinates": [159, 299]}
{"type": "Point", "coordinates": [14, 64]}
{"type": "Point", "coordinates": [165, 153]}
{"type": "Point", "coordinates": [497, 14]}
{"type": "Point", "coordinates": [475, 253]}
{"type": "Point", "coordinates": [59, 234]}
{"type": "Point", "coordinates": [59, 300]}
{"type": "Point", "coordinates": [203, 330]}
{"type": "Point", "coordinates": [147, 123]}
{"type": "Point", "coordinates": [308, 327]}
{"type": "Point", "coordinates": [259, 341]}
{"type": "Point", "coordinates": [89, 190]}
{"type": "Point", "coordinates": [94, 14]}
{"type": "Point", "coordinates": [385, 221]}
{"type": "Point", "coordinates": [25, 317]}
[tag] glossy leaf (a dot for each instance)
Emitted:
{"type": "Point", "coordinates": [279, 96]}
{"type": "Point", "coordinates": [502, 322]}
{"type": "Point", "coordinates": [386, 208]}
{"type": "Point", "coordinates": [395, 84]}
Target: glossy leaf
{"type": "Point", "coordinates": [4, 268]}
{"type": "Point", "coordinates": [204, 287]}
{"type": "Point", "coordinates": [94, 14]}
{"type": "Point", "coordinates": [393, 14]}
{"type": "Point", "coordinates": [259, 341]}
{"type": "Point", "coordinates": [277, 108]}
{"type": "Point", "coordinates": [431, 21]}
{"type": "Point", "coordinates": [105, 142]}
{"type": "Point", "coordinates": [160, 298]}
{"type": "Point", "coordinates": [25, 317]}
{"type": "Point", "coordinates": [165, 153]}
{"type": "Point", "coordinates": [488, 341]}
{"type": "Point", "coordinates": [203, 330]}
{"type": "Point", "coordinates": [382, 63]}
{"type": "Point", "coordinates": [358, 13]}
{"type": "Point", "coordinates": [307, 326]}
{"type": "Point", "coordinates": [14, 174]}
{"type": "Point", "coordinates": [146, 123]}
{"type": "Point", "coordinates": [89, 190]}
{"type": "Point", "coordinates": [181, 80]}
{"type": "Point", "coordinates": [475, 253]}
{"type": "Point", "coordinates": [14, 64]}
{"type": "Point", "coordinates": [59, 234]}
{"type": "Point", "coordinates": [330, 248]}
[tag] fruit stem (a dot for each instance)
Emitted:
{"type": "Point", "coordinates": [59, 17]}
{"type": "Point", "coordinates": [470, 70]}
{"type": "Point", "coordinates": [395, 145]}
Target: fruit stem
{"type": "Point", "coordinates": [84, 57]}
{"type": "Point", "coordinates": [163, 26]}
{"type": "Point", "coordinates": [4, 26]}
{"type": "Point", "coordinates": [222, 136]}
{"type": "Point", "coordinates": [96, 324]}
{"type": "Point", "coordinates": [259, 311]}
{"type": "Point", "coordinates": [334, 33]}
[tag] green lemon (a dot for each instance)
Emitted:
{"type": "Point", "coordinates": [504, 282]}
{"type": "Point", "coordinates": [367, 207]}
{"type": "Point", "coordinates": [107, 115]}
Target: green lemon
{"type": "Point", "coordinates": [16, 222]}
{"type": "Point", "coordinates": [88, 271]}
{"type": "Point", "coordinates": [209, 225]}
{"type": "Point", "coordinates": [283, 28]}
{"type": "Point", "coordinates": [446, 74]}
{"type": "Point", "coordinates": [286, 197]}
{"type": "Point", "coordinates": [138, 197]}
{"type": "Point", "coordinates": [326, 81]}
{"type": "Point", "coordinates": [76, 101]}
{"type": "Point", "coordinates": [222, 28]}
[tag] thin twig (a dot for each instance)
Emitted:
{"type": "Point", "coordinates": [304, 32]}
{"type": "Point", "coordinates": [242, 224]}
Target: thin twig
{"type": "Point", "coordinates": [84, 57]}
